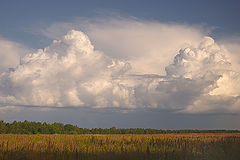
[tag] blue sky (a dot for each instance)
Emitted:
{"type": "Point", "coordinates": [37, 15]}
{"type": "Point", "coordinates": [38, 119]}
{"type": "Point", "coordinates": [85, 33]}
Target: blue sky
{"type": "Point", "coordinates": [17, 17]}
{"type": "Point", "coordinates": [138, 79]}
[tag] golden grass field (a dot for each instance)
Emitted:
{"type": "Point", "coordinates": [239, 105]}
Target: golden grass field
{"type": "Point", "coordinates": [113, 147]}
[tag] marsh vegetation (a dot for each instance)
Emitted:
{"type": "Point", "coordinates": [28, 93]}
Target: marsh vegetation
{"type": "Point", "coordinates": [120, 147]}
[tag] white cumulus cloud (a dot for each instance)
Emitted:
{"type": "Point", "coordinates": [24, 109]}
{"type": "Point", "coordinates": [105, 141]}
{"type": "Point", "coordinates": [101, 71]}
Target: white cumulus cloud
{"type": "Point", "coordinates": [148, 45]}
{"type": "Point", "coordinates": [72, 73]}
{"type": "Point", "coordinates": [67, 73]}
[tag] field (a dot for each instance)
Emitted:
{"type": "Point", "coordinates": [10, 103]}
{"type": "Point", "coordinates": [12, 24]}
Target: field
{"type": "Point", "coordinates": [120, 147]}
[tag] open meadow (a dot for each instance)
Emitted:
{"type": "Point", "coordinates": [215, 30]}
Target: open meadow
{"type": "Point", "coordinates": [207, 146]}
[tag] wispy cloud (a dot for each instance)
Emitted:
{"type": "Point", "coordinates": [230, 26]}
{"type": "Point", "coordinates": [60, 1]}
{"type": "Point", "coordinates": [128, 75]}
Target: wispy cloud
{"type": "Point", "coordinates": [10, 53]}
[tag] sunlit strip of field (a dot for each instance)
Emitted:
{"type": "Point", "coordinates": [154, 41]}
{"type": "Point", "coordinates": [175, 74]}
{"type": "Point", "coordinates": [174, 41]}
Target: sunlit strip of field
{"type": "Point", "coordinates": [88, 147]}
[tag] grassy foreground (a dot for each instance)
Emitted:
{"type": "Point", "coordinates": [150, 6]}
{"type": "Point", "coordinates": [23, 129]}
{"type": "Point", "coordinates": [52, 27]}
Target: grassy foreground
{"type": "Point", "coordinates": [120, 147]}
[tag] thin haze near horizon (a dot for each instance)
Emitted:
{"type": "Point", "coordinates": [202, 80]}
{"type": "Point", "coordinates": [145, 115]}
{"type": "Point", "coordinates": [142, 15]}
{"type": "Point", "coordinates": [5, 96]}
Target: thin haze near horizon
{"type": "Point", "coordinates": [128, 64]}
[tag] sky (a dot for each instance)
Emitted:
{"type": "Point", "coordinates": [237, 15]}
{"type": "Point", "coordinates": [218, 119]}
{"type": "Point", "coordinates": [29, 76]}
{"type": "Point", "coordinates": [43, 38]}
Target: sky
{"type": "Point", "coordinates": [128, 64]}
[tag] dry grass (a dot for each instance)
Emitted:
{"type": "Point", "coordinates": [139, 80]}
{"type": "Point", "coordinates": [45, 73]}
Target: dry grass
{"type": "Point", "coordinates": [90, 147]}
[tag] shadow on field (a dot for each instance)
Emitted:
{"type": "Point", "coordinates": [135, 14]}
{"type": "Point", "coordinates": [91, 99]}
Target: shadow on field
{"type": "Point", "coordinates": [212, 154]}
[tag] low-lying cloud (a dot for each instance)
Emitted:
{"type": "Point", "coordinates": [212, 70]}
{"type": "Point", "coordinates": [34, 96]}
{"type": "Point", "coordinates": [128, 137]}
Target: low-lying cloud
{"type": "Point", "coordinates": [70, 72]}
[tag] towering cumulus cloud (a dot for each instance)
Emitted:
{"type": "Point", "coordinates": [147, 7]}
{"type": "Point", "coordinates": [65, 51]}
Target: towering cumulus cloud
{"type": "Point", "coordinates": [67, 73]}
{"type": "Point", "coordinates": [71, 73]}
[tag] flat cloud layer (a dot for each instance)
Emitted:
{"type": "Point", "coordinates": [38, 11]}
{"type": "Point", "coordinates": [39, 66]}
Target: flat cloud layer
{"type": "Point", "coordinates": [71, 73]}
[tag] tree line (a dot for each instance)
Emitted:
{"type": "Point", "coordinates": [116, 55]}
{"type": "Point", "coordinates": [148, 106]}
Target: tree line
{"type": "Point", "coordinates": [27, 127]}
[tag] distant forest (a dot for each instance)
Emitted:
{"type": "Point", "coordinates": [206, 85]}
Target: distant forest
{"type": "Point", "coordinates": [27, 127]}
